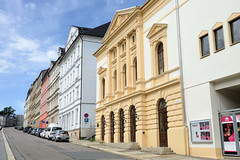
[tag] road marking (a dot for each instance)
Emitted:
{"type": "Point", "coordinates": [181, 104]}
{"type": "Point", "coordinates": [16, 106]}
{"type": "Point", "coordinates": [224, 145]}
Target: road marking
{"type": "Point", "coordinates": [8, 149]}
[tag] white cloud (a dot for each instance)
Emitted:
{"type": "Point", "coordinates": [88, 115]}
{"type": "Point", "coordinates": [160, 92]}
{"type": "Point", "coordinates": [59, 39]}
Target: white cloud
{"type": "Point", "coordinates": [119, 1]}
{"type": "Point", "coordinates": [23, 44]}
{"type": "Point", "coordinates": [32, 74]}
{"type": "Point", "coordinates": [4, 19]}
{"type": "Point", "coordinates": [31, 6]}
{"type": "Point", "coordinates": [43, 56]}
{"type": "Point", "coordinates": [5, 66]}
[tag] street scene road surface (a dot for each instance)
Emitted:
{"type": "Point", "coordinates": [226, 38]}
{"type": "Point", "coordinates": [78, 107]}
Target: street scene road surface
{"type": "Point", "coordinates": [28, 147]}
{"type": "Point", "coordinates": [3, 155]}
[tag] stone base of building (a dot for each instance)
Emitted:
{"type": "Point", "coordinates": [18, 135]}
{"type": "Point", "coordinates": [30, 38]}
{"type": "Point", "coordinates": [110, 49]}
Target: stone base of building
{"type": "Point", "coordinates": [215, 153]}
{"type": "Point", "coordinates": [85, 132]}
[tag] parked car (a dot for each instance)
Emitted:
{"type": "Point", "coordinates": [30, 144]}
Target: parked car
{"type": "Point", "coordinates": [25, 130]}
{"type": "Point", "coordinates": [38, 131]}
{"type": "Point", "coordinates": [19, 127]}
{"type": "Point", "coordinates": [51, 129]}
{"type": "Point", "coordinates": [43, 133]}
{"type": "Point", "coordinates": [33, 131]}
{"type": "Point", "coordinates": [60, 135]}
{"type": "Point", "coordinates": [0, 127]}
{"type": "Point", "coordinates": [29, 130]}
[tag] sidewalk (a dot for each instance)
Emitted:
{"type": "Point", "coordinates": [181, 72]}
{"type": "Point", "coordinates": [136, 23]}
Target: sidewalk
{"type": "Point", "coordinates": [135, 154]}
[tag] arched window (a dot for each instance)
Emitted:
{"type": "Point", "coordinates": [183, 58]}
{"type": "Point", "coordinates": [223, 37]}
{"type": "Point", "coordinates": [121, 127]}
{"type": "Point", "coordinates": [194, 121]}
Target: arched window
{"type": "Point", "coordinates": [160, 58]}
{"type": "Point", "coordinates": [135, 69]}
{"type": "Point", "coordinates": [124, 75]}
{"type": "Point", "coordinates": [162, 104]}
{"type": "Point", "coordinates": [115, 80]}
{"type": "Point", "coordinates": [103, 88]}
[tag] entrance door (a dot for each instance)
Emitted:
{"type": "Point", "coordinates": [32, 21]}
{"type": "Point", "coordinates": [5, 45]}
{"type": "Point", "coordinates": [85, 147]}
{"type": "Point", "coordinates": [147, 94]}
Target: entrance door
{"type": "Point", "coordinates": [133, 124]}
{"type": "Point", "coordinates": [230, 132]}
{"type": "Point", "coordinates": [103, 127]}
{"type": "Point", "coordinates": [163, 126]}
{"type": "Point", "coordinates": [112, 126]}
{"type": "Point", "coordinates": [121, 125]}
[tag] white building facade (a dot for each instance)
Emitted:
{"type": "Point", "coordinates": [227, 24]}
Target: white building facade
{"type": "Point", "coordinates": [210, 36]}
{"type": "Point", "coordinates": [77, 96]}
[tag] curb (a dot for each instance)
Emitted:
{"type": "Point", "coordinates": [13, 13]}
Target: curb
{"type": "Point", "coordinates": [107, 150]}
{"type": "Point", "coordinates": [9, 152]}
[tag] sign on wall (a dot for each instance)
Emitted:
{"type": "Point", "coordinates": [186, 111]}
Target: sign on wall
{"type": "Point", "coordinates": [201, 131]}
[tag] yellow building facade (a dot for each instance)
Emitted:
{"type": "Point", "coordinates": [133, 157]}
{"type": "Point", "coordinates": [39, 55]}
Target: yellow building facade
{"type": "Point", "coordinates": [139, 95]}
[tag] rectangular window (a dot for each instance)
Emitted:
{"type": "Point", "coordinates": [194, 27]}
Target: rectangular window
{"type": "Point", "coordinates": [73, 95]}
{"type": "Point", "coordinates": [76, 114]}
{"type": "Point", "coordinates": [235, 30]}
{"type": "Point", "coordinates": [205, 45]}
{"type": "Point", "coordinates": [72, 118]}
{"type": "Point", "coordinates": [219, 40]}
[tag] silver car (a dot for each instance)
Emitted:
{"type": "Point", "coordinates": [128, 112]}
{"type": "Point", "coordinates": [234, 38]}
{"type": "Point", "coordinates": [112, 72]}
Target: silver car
{"type": "Point", "coordinates": [43, 133]}
{"type": "Point", "coordinates": [60, 135]}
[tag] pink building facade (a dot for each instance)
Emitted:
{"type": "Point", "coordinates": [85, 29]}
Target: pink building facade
{"type": "Point", "coordinates": [44, 101]}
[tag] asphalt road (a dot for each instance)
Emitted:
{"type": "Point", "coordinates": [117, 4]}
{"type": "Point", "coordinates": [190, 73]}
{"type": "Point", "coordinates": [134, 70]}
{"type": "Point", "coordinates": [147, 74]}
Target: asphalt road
{"type": "Point", "coordinates": [28, 147]}
{"type": "Point", "coordinates": [3, 155]}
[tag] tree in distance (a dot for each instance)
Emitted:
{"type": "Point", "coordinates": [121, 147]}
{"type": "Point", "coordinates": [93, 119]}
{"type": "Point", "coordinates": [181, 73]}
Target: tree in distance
{"type": "Point", "coordinates": [8, 112]}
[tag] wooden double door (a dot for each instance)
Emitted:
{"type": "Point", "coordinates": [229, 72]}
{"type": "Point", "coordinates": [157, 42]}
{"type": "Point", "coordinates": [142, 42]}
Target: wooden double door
{"type": "Point", "coordinates": [163, 123]}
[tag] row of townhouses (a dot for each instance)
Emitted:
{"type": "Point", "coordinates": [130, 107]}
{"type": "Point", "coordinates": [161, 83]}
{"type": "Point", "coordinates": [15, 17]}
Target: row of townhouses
{"type": "Point", "coordinates": [166, 74]}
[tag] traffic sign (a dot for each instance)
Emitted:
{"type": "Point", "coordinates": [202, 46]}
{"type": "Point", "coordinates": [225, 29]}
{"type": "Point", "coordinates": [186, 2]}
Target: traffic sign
{"type": "Point", "coordinates": [86, 115]}
{"type": "Point", "coordinates": [86, 120]}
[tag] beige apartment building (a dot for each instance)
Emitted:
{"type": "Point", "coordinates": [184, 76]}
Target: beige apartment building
{"type": "Point", "coordinates": [139, 95]}
{"type": "Point", "coordinates": [26, 107]}
{"type": "Point", "coordinates": [34, 102]}
{"type": "Point", "coordinates": [54, 74]}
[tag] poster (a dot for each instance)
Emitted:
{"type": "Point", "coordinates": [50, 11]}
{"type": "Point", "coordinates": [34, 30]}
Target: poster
{"type": "Point", "coordinates": [228, 134]}
{"type": "Point", "coordinates": [200, 131]}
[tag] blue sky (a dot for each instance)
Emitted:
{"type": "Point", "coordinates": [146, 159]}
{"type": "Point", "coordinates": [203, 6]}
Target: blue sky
{"type": "Point", "coordinates": [31, 32]}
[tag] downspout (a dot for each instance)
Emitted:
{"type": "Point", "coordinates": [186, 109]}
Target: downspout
{"type": "Point", "coordinates": [81, 85]}
{"type": "Point", "coordinates": [181, 71]}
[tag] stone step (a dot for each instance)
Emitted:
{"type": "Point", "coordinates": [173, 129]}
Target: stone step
{"type": "Point", "coordinates": [127, 146]}
{"type": "Point", "coordinates": [159, 150]}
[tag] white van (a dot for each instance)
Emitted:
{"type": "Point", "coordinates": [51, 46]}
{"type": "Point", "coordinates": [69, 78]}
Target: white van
{"type": "Point", "coordinates": [51, 129]}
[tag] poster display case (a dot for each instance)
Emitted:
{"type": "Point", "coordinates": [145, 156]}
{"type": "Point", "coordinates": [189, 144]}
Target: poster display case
{"type": "Point", "coordinates": [201, 131]}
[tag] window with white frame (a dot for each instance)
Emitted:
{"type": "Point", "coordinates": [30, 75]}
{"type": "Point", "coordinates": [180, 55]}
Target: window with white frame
{"type": "Point", "coordinates": [72, 118]}
{"type": "Point", "coordinates": [73, 94]}
{"type": "Point", "coordinates": [76, 116]}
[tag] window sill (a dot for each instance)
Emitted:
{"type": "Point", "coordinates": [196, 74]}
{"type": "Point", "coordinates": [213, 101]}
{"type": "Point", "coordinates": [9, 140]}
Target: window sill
{"type": "Point", "coordinates": [219, 50]}
{"type": "Point", "coordinates": [205, 56]}
{"type": "Point", "coordinates": [234, 43]}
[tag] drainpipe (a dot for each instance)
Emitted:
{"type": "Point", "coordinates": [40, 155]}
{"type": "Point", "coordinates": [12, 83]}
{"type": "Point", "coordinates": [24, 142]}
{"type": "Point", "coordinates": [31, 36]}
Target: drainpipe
{"type": "Point", "coordinates": [181, 69]}
{"type": "Point", "coordinates": [81, 85]}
